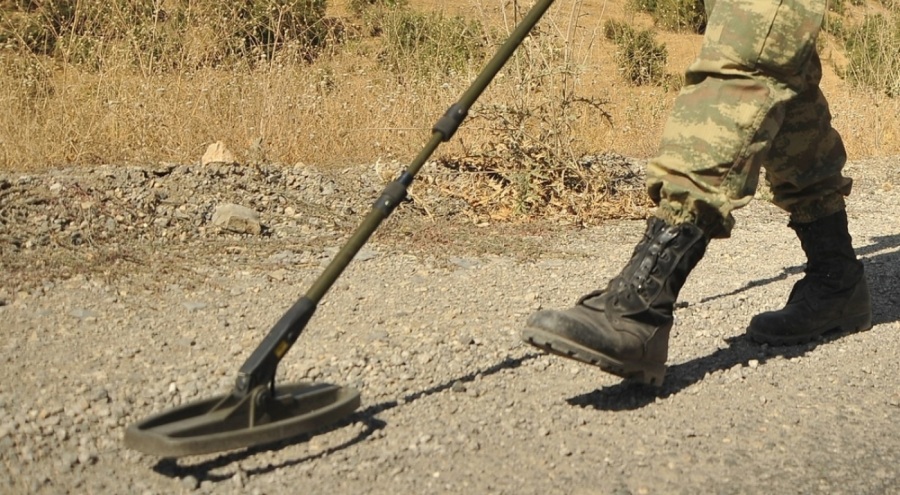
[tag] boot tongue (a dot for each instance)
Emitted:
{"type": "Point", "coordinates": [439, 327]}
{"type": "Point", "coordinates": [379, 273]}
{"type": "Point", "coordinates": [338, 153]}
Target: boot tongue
{"type": "Point", "coordinates": [648, 286]}
{"type": "Point", "coordinates": [634, 290]}
{"type": "Point", "coordinates": [652, 258]}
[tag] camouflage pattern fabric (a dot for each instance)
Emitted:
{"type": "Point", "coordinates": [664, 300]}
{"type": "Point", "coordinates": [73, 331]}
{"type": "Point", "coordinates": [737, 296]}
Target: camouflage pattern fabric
{"type": "Point", "coordinates": [751, 99]}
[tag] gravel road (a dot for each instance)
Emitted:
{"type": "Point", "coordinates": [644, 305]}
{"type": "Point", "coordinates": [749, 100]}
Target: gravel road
{"type": "Point", "coordinates": [120, 299]}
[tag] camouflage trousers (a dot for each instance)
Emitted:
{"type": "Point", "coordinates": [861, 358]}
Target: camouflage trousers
{"type": "Point", "coordinates": [751, 101]}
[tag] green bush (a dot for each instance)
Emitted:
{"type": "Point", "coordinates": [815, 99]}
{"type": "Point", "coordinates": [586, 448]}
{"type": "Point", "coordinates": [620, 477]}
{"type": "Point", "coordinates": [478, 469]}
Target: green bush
{"type": "Point", "coordinates": [428, 44]}
{"type": "Point", "coordinates": [834, 25]}
{"type": "Point", "coordinates": [639, 57]}
{"type": "Point", "coordinates": [42, 26]}
{"type": "Point", "coordinates": [165, 35]}
{"type": "Point", "coordinates": [676, 15]}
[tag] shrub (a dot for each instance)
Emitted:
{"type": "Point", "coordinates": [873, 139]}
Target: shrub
{"type": "Point", "coordinates": [834, 25]}
{"type": "Point", "coordinates": [270, 24]}
{"type": "Point", "coordinates": [639, 57]}
{"type": "Point", "coordinates": [170, 35]}
{"type": "Point", "coordinates": [42, 26]}
{"type": "Point", "coordinates": [529, 161]}
{"type": "Point", "coordinates": [677, 15]}
{"type": "Point", "coordinates": [425, 44]}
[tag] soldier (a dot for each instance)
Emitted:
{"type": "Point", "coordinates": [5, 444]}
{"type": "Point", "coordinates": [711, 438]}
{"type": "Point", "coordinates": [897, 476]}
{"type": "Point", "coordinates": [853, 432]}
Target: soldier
{"type": "Point", "coordinates": [751, 99]}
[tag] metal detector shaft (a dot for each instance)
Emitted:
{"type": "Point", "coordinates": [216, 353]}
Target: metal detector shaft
{"type": "Point", "coordinates": [259, 369]}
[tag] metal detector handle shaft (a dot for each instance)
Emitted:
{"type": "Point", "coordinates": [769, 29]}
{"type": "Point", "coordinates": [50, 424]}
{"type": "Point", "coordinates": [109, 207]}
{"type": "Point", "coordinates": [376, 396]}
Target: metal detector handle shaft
{"type": "Point", "coordinates": [260, 367]}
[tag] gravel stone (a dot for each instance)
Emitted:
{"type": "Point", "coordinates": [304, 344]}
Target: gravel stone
{"type": "Point", "coordinates": [190, 482]}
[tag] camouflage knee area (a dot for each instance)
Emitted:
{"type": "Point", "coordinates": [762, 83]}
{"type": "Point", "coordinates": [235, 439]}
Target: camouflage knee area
{"type": "Point", "coordinates": [756, 59]}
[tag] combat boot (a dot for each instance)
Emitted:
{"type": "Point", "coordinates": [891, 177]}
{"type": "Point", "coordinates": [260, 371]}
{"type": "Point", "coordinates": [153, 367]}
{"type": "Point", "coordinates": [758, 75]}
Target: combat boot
{"type": "Point", "coordinates": [832, 295]}
{"type": "Point", "coordinates": [624, 328]}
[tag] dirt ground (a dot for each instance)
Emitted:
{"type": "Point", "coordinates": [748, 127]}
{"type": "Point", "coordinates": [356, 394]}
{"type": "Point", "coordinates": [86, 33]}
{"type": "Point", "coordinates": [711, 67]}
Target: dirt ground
{"type": "Point", "coordinates": [120, 298]}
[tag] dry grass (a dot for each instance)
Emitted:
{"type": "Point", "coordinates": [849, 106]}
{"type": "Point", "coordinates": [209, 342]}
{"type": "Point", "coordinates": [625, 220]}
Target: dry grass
{"type": "Point", "coordinates": [333, 113]}
{"type": "Point", "coordinates": [346, 108]}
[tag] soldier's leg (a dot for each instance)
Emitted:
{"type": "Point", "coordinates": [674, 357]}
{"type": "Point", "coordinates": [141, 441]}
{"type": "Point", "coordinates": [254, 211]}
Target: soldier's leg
{"type": "Point", "coordinates": [804, 164]}
{"type": "Point", "coordinates": [724, 122]}
{"type": "Point", "coordinates": [804, 171]}
{"type": "Point", "coordinates": [753, 62]}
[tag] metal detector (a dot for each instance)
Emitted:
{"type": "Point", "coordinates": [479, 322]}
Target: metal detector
{"type": "Point", "coordinates": [259, 411]}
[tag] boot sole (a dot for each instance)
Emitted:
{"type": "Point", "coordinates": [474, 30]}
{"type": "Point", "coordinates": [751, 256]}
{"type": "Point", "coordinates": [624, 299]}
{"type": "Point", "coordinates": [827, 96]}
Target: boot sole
{"type": "Point", "coordinates": [648, 373]}
{"type": "Point", "coordinates": [848, 325]}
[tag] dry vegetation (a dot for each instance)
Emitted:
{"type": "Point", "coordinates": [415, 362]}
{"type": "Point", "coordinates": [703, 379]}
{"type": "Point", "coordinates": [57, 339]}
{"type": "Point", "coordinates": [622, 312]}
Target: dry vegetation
{"type": "Point", "coordinates": [159, 80]}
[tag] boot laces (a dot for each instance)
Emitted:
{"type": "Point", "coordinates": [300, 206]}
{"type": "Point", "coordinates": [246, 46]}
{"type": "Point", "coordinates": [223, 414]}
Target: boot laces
{"type": "Point", "coordinates": [655, 252]}
{"type": "Point", "coordinates": [635, 285]}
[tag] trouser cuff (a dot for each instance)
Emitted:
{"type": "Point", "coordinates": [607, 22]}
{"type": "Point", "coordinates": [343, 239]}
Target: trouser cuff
{"type": "Point", "coordinates": [710, 222]}
{"type": "Point", "coordinates": [810, 212]}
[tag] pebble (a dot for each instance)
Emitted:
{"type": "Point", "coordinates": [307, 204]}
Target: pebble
{"type": "Point", "coordinates": [86, 458]}
{"type": "Point", "coordinates": [68, 460]}
{"type": "Point", "coordinates": [82, 313]}
{"type": "Point", "coordinates": [190, 482]}
{"type": "Point", "coordinates": [195, 305]}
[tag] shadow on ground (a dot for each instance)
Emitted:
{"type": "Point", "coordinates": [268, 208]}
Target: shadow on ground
{"type": "Point", "coordinates": [882, 260]}
{"type": "Point", "coordinates": [204, 471]}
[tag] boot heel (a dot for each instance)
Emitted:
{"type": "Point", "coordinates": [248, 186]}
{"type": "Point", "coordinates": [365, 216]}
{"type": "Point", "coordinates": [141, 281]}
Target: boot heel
{"type": "Point", "coordinates": [856, 324]}
{"type": "Point", "coordinates": [649, 375]}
